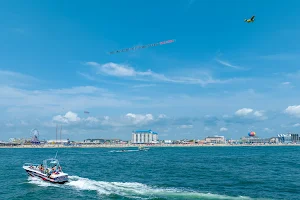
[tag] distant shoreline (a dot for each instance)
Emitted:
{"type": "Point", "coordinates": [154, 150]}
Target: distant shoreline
{"type": "Point", "coordinates": [150, 146]}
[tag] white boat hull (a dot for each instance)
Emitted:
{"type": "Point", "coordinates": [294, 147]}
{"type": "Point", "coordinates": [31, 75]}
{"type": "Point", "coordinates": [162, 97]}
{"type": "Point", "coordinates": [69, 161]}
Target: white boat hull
{"type": "Point", "coordinates": [54, 178]}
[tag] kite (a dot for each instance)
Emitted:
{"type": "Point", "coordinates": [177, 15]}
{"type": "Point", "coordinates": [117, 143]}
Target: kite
{"type": "Point", "coordinates": [144, 46]}
{"type": "Point", "coordinates": [250, 20]}
{"type": "Point", "coordinates": [86, 112]}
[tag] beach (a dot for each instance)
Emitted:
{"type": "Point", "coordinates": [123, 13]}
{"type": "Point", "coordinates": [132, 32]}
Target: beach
{"type": "Point", "coordinates": [137, 145]}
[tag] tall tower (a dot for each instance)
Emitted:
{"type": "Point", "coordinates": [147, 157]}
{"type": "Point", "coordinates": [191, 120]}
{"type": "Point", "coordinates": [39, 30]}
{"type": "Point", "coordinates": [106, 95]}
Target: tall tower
{"type": "Point", "coordinates": [60, 133]}
{"type": "Point", "coordinates": [56, 135]}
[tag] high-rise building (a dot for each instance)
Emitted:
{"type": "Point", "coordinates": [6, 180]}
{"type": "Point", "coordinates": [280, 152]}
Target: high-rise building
{"type": "Point", "coordinates": [144, 137]}
{"type": "Point", "coordinates": [295, 137]}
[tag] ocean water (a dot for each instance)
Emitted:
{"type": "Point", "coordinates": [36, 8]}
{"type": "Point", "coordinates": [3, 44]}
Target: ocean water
{"type": "Point", "coordinates": [230, 173]}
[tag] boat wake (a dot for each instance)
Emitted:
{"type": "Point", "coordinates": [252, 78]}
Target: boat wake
{"type": "Point", "coordinates": [122, 151]}
{"type": "Point", "coordinates": [39, 182]}
{"type": "Point", "coordinates": [132, 190]}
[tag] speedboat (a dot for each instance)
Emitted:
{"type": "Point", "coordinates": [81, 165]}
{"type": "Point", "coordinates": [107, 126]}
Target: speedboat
{"type": "Point", "coordinates": [50, 171]}
{"type": "Point", "coordinates": [143, 149]}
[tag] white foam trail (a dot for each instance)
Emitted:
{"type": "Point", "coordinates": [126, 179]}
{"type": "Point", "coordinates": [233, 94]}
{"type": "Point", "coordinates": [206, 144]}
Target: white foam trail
{"type": "Point", "coordinates": [40, 182]}
{"type": "Point", "coordinates": [138, 190]}
{"type": "Point", "coordinates": [131, 190]}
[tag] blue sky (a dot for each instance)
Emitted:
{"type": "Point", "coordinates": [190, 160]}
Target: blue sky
{"type": "Point", "coordinates": [221, 76]}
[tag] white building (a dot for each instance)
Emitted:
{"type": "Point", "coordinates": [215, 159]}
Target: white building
{"type": "Point", "coordinates": [62, 141]}
{"type": "Point", "coordinates": [215, 139]}
{"type": "Point", "coordinates": [144, 137]}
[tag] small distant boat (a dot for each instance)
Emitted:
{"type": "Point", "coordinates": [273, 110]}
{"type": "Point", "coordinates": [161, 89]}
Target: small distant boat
{"type": "Point", "coordinates": [50, 171]}
{"type": "Point", "coordinates": [143, 149]}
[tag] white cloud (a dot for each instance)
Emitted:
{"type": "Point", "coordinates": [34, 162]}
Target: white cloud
{"type": "Point", "coordinates": [207, 129]}
{"type": "Point", "coordinates": [9, 125]}
{"type": "Point", "coordinates": [162, 116]}
{"type": "Point", "coordinates": [79, 90]}
{"type": "Point", "coordinates": [139, 119]}
{"type": "Point", "coordinates": [23, 123]}
{"type": "Point", "coordinates": [123, 70]}
{"type": "Point", "coordinates": [258, 113]}
{"type": "Point", "coordinates": [71, 118]}
{"type": "Point", "coordinates": [293, 110]}
{"type": "Point", "coordinates": [225, 116]}
{"type": "Point", "coordinates": [24, 102]}
{"type": "Point", "coordinates": [227, 64]}
{"type": "Point", "coordinates": [106, 117]}
{"type": "Point", "coordinates": [118, 70]}
{"type": "Point", "coordinates": [92, 119]}
{"type": "Point", "coordinates": [130, 119]}
{"type": "Point", "coordinates": [93, 64]}
{"type": "Point", "coordinates": [286, 85]}
{"type": "Point", "coordinates": [143, 85]}
{"type": "Point", "coordinates": [186, 126]}
{"type": "Point", "coordinates": [223, 129]}
{"type": "Point", "coordinates": [267, 129]}
{"type": "Point", "coordinates": [67, 118]}
{"type": "Point", "coordinates": [107, 121]}
{"type": "Point", "coordinates": [246, 115]}
{"type": "Point", "coordinates": [87, 76]}
{"type": "Point", "coordinates": [244, 111]}
{"type": "Point", "coordinates": [9, 78]}
{"type": "Point", "coordinates": [296, 125]}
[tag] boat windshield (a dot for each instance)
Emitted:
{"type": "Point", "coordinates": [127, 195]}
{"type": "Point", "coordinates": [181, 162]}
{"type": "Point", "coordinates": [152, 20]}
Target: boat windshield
{"type": "Point", "coordinates": [50, 163]}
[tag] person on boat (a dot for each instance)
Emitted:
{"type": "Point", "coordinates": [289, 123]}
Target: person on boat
{"type": "Point", "coordinates": [42, 168]}
{"type": "Point", "coordinates": [59, 169]}
{"type": "Point", "coordinates": [54, 170]}
{"type": "Point", "coordinates": [49, 172]}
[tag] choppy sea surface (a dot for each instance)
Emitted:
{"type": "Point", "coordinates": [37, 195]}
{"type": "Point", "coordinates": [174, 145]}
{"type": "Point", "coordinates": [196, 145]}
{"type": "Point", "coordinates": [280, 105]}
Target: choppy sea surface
{"type": "Point", "coordinates": [230, 173]}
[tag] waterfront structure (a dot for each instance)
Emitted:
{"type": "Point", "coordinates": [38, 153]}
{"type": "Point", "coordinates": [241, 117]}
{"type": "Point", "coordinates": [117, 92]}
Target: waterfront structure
{"type": "Point", "coordinates": [257, 140]}
{"type": "Point", "coordinates": [251, 140]}
{"type": "Point", "coordinates": [215, 139]}
{"type": "Point", "coordinates": [285, 138]}
{"type": "Point", "coordinates": [200, 141]}
{"type": "Point", "coordinates": [295, 138]}
{"type": "Point", "coordinates": [144, 137]}
{"type": "Point", "coordinates": [8, 144]}
{"type": "Point", "coordinates": [102, 141]}
{"type": "Point", "coordinates": [94, 141]}
{"type": "Point", "coordinates": [62, 141]}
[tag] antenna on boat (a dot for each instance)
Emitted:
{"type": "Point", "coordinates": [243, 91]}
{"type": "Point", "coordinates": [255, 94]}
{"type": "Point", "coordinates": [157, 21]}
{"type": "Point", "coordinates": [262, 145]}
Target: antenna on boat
{"type": "Point", "coordinates": [60, 134]}
{"type": "Point", "coordinates": [56, 136]}
{"type": "Point", "coordinates": [56, 154]}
